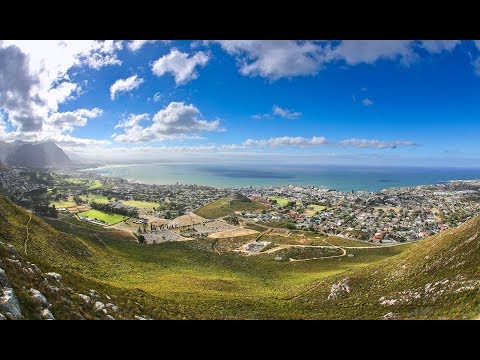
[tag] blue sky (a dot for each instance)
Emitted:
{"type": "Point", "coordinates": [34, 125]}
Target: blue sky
{"type": "Point", "coordinates": [334, 102]}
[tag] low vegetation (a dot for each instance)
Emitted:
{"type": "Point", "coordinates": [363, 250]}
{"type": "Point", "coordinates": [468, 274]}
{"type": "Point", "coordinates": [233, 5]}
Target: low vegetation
{"type": "Point", "coordinates": [434, 278]}
{"type": "Point", "coordinates": [227, 206]}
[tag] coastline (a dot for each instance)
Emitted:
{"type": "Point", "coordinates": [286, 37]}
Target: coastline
{"type": "Point", "coordinates": [341, 179]}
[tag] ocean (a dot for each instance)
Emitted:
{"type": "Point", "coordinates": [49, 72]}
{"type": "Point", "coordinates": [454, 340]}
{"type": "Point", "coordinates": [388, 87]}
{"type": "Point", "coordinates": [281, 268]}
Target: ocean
{"type": "Point", "coordinates": [341, 178]}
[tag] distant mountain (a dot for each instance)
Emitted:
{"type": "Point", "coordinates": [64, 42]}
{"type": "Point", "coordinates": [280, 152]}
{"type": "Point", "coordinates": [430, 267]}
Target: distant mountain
{"type": "Point", "coordinates": [5, 149]}
{"type": "Point", "coordinates": [35, 155]}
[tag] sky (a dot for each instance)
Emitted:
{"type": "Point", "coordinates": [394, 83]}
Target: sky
{"type": "Point", "coordinates": [362, 102]}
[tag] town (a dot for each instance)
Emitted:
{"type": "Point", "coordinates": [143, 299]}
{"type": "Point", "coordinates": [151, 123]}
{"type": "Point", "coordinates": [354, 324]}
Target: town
{"type": "Point", "coordinates": [166, 212]}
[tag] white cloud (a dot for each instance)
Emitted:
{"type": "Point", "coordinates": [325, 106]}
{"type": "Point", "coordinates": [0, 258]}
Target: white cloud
{"type": "Point", "coordinates": [275, 59]}
{"type": "Point", "coordinates": [67, 121]}
{"type": "Point", "coordinates": [37, 80]}
{"type": "Point", "coordinates": [438, 46]}
{"type": "Point", "coordinates": [68, 141]}
{"type": "Point", "coordinates": [369, 51]}
{"type": "Point", "coordinates": [93, 113]}
{"type": "Point", "coordinates": [131, 121]}
{"type": "Point", "coordinates": [157, 97]}
{"type": "Point", "coordinates": [177, 120]}
{"type": "Point", "coordinates": [102, 53]}
{"type": "Point", "coordinates": [367, 102]}
{"type": "Point", "coordinates": [368, 143]}
{"type": "Point", "coordinates": [477, 44]}
{"type": "Point", "coordinates": [285, 113]}
{"type": "Point", "coordinates": [287, 141]}
{"type": "Point", "coordinates": [261, 116]}
{"type": "Point", "coordinates": [136, 45]}
{"type": "Point", "coordinates": [180, 65]}
{"type": "Point", "coordinates": [125, 85]}
{"type": "Point", "coordinates": [476, 66]}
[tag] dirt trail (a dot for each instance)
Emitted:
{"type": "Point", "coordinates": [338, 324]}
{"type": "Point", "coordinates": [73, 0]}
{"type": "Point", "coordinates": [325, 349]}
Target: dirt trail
{"type": "Point", "coordinates": [28, 234]}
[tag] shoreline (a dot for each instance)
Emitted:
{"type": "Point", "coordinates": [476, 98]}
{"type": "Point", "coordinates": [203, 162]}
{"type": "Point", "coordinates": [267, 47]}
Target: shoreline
{"type": "Point", "coordinates": [201, 177]}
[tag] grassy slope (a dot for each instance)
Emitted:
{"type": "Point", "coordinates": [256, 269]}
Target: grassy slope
{"type": "Point", "coordinates": [77, 260]}
{"type": "Point", "coordinates": [226, 206]}
{"type": "Point", "coordinates": [438, 277]}
{"type": "Point", "coordinates": [191, 280]}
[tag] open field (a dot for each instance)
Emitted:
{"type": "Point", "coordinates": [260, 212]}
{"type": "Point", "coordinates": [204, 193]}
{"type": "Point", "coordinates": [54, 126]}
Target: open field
{"type": "Point", "coordinates": [232, 233]}
{"type": "Point", "coordinates": [313, 209]}
{"type": "Point", "coordinates": [63, 204]}
{"type": "Point", "coordinates": [109, 219]}
{"type": "Point", "coordinates": [226, 206]}
{"type": "Point", "coordinates": [280, 201]}
{"type": "Point", "coordinates": [99, 199]}
{"type": "Point", "coordinates": [96, 184]}
{"type": "Point", "coordinates": [141, 204]}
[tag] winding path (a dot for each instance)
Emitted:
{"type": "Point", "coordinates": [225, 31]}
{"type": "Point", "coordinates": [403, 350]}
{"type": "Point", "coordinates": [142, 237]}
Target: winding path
{"type": "Point", "coordinates": [28, 234]}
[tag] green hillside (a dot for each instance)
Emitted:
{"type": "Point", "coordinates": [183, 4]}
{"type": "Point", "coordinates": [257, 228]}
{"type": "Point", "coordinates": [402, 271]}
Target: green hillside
{"type": "Point", "coordinates": [438, 278]}
{"type": "Point", "coordinates": [434, 278]}
{"type": "Point", "coordinates": [227, 206]}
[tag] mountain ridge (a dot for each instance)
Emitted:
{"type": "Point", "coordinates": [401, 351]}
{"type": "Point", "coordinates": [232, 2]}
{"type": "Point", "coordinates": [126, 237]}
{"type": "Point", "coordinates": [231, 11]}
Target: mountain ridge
{"type": "Point", "coordinates": [33, 154]}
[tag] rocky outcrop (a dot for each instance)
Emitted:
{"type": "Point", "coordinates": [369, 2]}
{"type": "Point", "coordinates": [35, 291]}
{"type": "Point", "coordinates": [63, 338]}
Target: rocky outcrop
{"type": "Point", "coordinates": [38, 297]}
{"type": "Point", "coordinates": [9, 304]}
{"type": "Point", "coordinates": [47, 315]}
{"type": "Point", "coordinates": [55, 276]}
{"type": "Point", "coordinates": [339, 289]}
{"type": "Point", "coordinates": [3, 278]}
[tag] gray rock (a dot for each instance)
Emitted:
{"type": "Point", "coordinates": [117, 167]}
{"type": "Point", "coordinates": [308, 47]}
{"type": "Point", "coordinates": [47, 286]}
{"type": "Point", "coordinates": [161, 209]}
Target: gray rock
{"type": "Point", "coordinates": [47, 315]}
{"type": "Point", "coordinates": [339, 289]}
{"type": "Point", "coordinates": [38, 297]}
{"type": "Point", "coordinates": [2, 317]}
{"type": "Point", "coordinates": [99, 306]}
{"type": "Point", "coordinates": [16, 262]}
{"type": "Point", "coordinates": [10, 305]}
{"type": "Point", "coordinates": [110, 317]}
{"type": "Point", "coordinates": [105, 311]}
{"type": "Point", "coordinates": [350, 255]}
{"type": "Point", "coordinates": [84, 298]}
{"type": "Point", "coordinates": [139, 318]}
{"type": "Point", "coordinates": [55, 276]}
{"type": "Point", "coordinates": [12, 250]}
{"type": "Point", "coordinates": [3, 278]}
{"type": "Point", "coordinates": [53, 289]}
{"type": "Point", "coordinates": [34, 267]}
{"type": "Point", "coordinates": [112, 307]}
{"type": "Point", "coordinates": [108, 297]}
{"type": "Point", "coordinates": [93, 293]}
{"type": "Point", "coordinates": [391, 316]}
{"type": "Point", "coordinates": [278, 258]}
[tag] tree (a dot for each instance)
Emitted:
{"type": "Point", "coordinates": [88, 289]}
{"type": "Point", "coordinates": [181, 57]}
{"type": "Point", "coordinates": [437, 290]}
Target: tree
{"type": "Point", "coordinates": [139, 230]}
{"type": "Point", "coordinates": [141, 239]}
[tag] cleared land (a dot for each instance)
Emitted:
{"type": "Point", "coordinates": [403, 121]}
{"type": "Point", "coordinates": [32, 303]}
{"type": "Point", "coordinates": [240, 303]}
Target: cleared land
{"type": "Point", "coordinates": [232, 233]}
{"type": "Point", "coordinates": [141, 204]}
{"type": "Point", "coordinates": [280, 201]}
{"type": "Point", "coordinates": [96, 184]}
{"type": "Point", "coordinates": [109, 219]}
{"type": "Point", "coordinates": [227, 206]}
{"type": "Point", "coordinates": [313, 209]}
{"type": "Point", "coordinates": [63, 204]}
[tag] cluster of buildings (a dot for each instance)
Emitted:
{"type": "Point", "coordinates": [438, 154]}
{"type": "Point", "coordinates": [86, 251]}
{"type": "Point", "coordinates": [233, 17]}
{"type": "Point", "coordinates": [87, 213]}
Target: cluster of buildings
{"type": "Point", "coordinates": [391, 215]}
{"type": "Point", "coordinates": [19, 184]}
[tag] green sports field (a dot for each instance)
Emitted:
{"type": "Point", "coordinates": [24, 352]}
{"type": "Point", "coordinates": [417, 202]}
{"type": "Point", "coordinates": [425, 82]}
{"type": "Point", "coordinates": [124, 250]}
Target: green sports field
{"type": "Point", "coordinates": [109, 219]}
